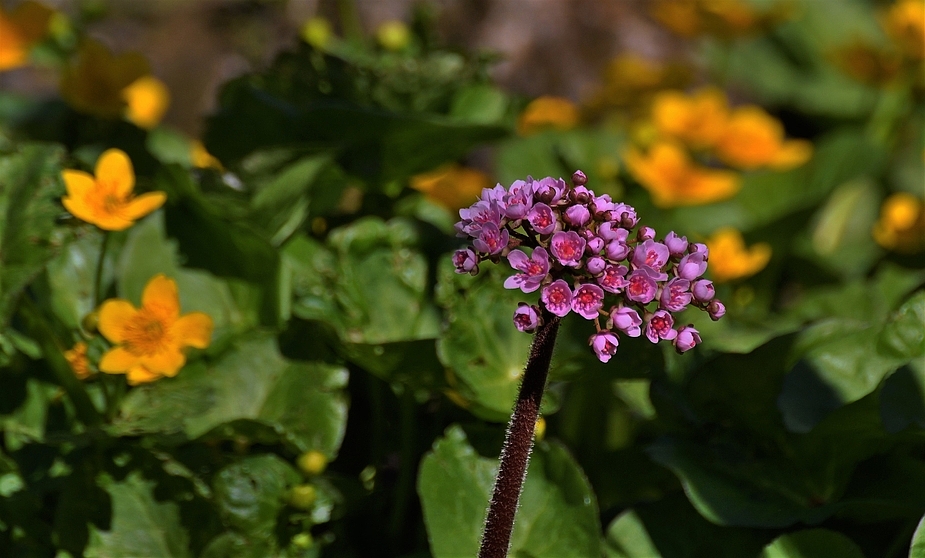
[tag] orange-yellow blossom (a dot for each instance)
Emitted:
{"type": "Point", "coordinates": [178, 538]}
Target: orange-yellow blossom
{"type": "Point", "coordinates": [150, 340]}
{"type": "Point", "coordinates": [201, 158]}
{"type": "Point", "coordinates": [77, 358]}
{"type": "Point", "coordinates": [106, 200]}
{"type": "Point", "coordinates": [20, 30]}
{"type": "Point", "coordinates": [901, 226]}
{"type": "Point", "coordinates": [547, 112]}
{"type": "Point", "coordinates": [452, 185]}
{"type": "Point", "coordinates": [146, 100]}
{"type": "Point", "coordinates": [754, 139]}
{"type": "Point", "coordinates": [904, 22]}
{"type": "Point", "coordinates": [698, 119]}
{"type": "Point", "coordinates": [95, 81]}
{"type": "Point", "coordinates": [730, 259]}
{"type": "Point", "coordinates": [672, 179]}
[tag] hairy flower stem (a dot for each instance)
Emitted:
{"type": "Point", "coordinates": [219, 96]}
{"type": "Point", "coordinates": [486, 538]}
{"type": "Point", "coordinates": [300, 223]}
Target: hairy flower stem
{"type": "Point", "coordinates": [518, 443]}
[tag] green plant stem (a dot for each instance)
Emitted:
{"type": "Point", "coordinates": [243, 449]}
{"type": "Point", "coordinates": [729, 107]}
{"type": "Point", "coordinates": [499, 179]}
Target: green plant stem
{"type": "Point", "coordinates": [407, 470]}
{"type": "Point", "coordinates": [518, 443]}
{"type": "Point", "coordinates": [98, 279]}
{"type": "Point", "coordinates": [53, 351]}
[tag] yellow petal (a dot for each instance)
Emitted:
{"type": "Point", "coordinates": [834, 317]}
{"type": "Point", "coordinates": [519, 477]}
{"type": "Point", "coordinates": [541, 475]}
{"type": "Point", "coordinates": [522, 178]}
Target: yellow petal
{"type": "Point", "coordinates": [114, 169]}
{"type": "Point", "coordinates": [194, 330]}
{"type": "Point", "coordinates": [144, 204]}
{"type": "Point", "coordinates": [78, 183]}
{"type": "Point", "coordinates": [138, 374]}
{"type": "Point", "coordinates": [147, 99]}
{"type": "Point", "coordinates": [109, 221]}
{"type": "Point", "coordinates": [118, 361]}
{"type": "Point", "coordinates": [160, 294]}
{"type": "Point", "coordinates": [165, 363]}
{"type": "Point", "coordinates": [114, 316]}
{"type": "Point", "coordinates": [792, 153]}
{"type": "Point", "coordinates": [80, 208]}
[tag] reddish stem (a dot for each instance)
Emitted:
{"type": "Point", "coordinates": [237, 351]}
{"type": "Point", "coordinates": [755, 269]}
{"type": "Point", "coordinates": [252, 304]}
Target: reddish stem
{"type": "Point", "coordinates": [518, 443]}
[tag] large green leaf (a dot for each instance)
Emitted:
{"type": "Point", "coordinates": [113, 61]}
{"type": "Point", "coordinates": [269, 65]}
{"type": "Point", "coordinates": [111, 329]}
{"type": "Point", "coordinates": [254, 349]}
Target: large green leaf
{"type": "Point", "coordinates": [30, 187]}
{"type": "Point", "coordinates": [141, 526]}
{"type": "Point", "coordinates": [557, 514]}
{"type": "Point", "coordinates": [251, 492]}
{"type": "Point", "coordinates": [251, 390]}
{"type": "Point", "coordinates": [627, 538]}
{"type": "Point", "coordinates": [481, 344]}
{"type": "Point", "coordinates": [917, 549]}
{"type": "Point", "coordinates": [812, 543]}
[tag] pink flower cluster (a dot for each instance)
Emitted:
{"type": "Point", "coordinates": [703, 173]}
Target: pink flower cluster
{"type": "Point", "coordinates": [589, 256]}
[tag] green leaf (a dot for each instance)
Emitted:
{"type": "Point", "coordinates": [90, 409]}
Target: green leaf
{"type": "Point", "coordinates": [557, 514]}
{"type": "Point", "coordinates": [481, 344]}
{"type": "Point", "coordinates": [382, 283]}
{"type": "Point", "coordinates": [251, 492]}
{"type": "Point", "coordinates": [141, 526]}
{"type": "Point", "coordinates": [627, 538]}
{"type": "Point", "coordinates": [917, 550]}
{"type": "Point", "coordinates": [30, 188]}
{"type": "Point", "coordinates": [812, 543]}
{"type": "Point", "coordinates": [72, 279]}
{"type": "Point", "coordinates": [251, 389]}
{"type": "Point", "coordinates": [903, 335]}
{"type": "Point", "coordinates": [169, 146]}
{"type": "Point", "coordinates": [479, 104]}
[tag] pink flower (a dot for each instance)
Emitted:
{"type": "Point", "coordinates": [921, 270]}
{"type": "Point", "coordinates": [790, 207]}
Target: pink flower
{"type": "Point", "coordinates": [651, 254]}
{"type": "Point", "coordinates": [542, 219]}
{"type": "Point", "coordinates": [595, 265]}
{"type": "Point", "coordinates": [587, 300]}
{"type": "Point", "coordinates": [577, 215]}
{"type": "Point", "coordinates": [612, 231]}
{"type": "Point", "coordinates": [604, 344]}
{"type": "Point", "coordinates": [645, 233]}
{"type": "Point", "coordinates": [687, 339]}
{"type": "Point", "coordinates": [549, 190]}
{"type": "Point", "coordinates": [716, 309]}
{"type": "Point", "coordinates": [526, 318]}
{"type": "Point", "coordinates": [533, 269]}
{"type": "Point", "coordinates": [557, 297]}
{"type": "Point", "coordinates": [518, 201]}
{"type": "Point", "coordinates": [675, 295]}
{"type": "Point", "coordinates": [491, 239]}
{"type": "Point", "coordinates": [616, 250]}
{"type": "Point", "coordinates": [480, 214]}
{"type": "Point", "coordinates": [703, 290]}
{"type": "Point", "coordinates": [465, 260]}
{"type": "Point", "coordinates": [676, 244]}
{"type": "Point", "coordinates": [659, 326]}
{"type": "Point", "coordinates": [625, 215]}
{"type": "Point", "coordinates": [614, 278]}
{"type": "Point", "coordinates": [568, 248]}
{"type": "Point", "coordinates": [626, 320]}
{"type": "Point", "coordinates": [692, 266]}
{"type": "Point", "coordinates": [641, 285]}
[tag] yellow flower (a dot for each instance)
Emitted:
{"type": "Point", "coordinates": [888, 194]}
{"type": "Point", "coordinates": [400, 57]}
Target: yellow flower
{"type": "Point", "coordinates": [95, 81]}
{"type": "Point", "coordinates": [77, 358]}
{"type": "Point", "coordinates": [393, 35]}
{"type": "Point", "coordinates": [698, 119]}
{"type": "Point", "coordinates": [729, 259]}
{"type": "Point", "coordinates": [672, 179]}
{"type": "Point", "coordinates": [754, 139]}
{"type": "Point", "coordinates": [723, 18]}
{"type": "Point", "coordinates": [106, 200]}
{"type": "Point", "coordinates": [547, 112]}
{"type": "Point", "coordinates": [19, 31]}
{"type": "Point", "coordinates": [452, 186]}
{"type": "Point", "coordinates": [680, 16]}
{"type": "Point", "coordinates": [146, 101]}
{"type": "Point", "coordinates": [150, 340]}
{"type": "Point", "coordinates": [904, 22]}
{"type": "Point", "coordinates": [201, 158]}
{"type": "Point", "coordinates": [901, 226]}
{"type": "Point", "coordinates": [317, 32]}
{"type": "Point", "coordinates": [630, 79]}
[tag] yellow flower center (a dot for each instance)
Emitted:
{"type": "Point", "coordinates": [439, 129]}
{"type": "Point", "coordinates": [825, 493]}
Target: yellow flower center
{"type": "Point", "coordinates": [146, 333]}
